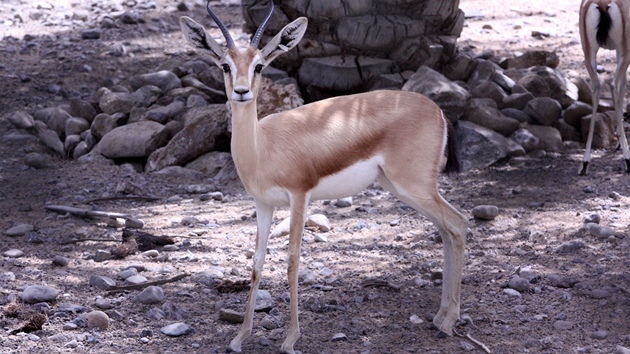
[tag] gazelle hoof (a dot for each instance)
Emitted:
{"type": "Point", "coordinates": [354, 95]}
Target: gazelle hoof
{"type": "Point", "coordinates": [583, 169]}
{"type": "Point", "coordinates": [627, 165]}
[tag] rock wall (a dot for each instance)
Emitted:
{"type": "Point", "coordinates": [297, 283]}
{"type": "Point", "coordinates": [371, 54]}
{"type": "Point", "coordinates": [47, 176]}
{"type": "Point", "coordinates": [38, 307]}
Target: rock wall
{"type": "Point", "coordinates": [350, 43]}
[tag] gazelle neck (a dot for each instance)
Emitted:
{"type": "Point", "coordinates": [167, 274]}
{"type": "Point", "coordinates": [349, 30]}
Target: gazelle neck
{"type": "Point", "coordinates": [245, 143]}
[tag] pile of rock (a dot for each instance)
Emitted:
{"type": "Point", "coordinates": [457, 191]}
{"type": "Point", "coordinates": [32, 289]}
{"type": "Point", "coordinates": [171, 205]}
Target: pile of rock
{"type": "Point", "coordinates": [177, 115]}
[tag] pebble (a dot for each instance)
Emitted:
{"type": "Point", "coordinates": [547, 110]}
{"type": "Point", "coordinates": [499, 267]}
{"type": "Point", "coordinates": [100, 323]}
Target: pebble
{"type": "Point", "coordinates": [519, 284]}
{"type": "Point", "coordinates": [593, 218]}
{"type": "Point", "coordinates": [319, 221]}
{"type": "Point", "coordinates": [128, 272]}
{"type": "Point", "coordinates": [343, 202]}
{"type": "Point", "coordinates": [39, 293]}
{"type": "Point", "coordinates": [151, 253]}
{"type": "Point", "coordinates": [136, 279]}
{"type": "Point", "coordinates": [599, 294]}
{"type": "Point", "coordinates": [102, 303]}
{"type": "Point", "coordinates": [282, 229]}
{"type": "Point", "coordinates": [98, 320]}
{"type": "Point", "coordinates": [150, 295]}
{"type": "Point", "coordinates": [102, 282]}
{"type": "Point", "coordinates": [102, 255]}
{"type": "Point", "coordinates": [562, 325]}
{"type": "Point", "coordinates": [599, 335]}
{"type": "Point", "coordinates": [338, 337]}
{"type": "Point", "coordinates": [60, 261]}
{"type": "Point", "coordinates": [485, 212]}
{"type": "Point", "coordinates": [320, 238]}
{"type": "Point", "coordinates": [19, 230]}
{"type": "Point", "coordinates": [415, 319]}
{"type": "Point", "coordinates": [570, 246]}
{"type": "Point", "coordinates": [7, 276]}
{"type": "Point", "coordinates": [231, 316]}
{"type": "Point", "coordinates": [36, 160]}
{"type": "Point", "coordinates": [560, 282]}
{"type": "Point", "coordinates": [600, 231]}
{"type": "Point", "coordinates": [511, 292]}
{"type": "Point", "coordinates": [72, 344]}
{"type": "Point", "coordinates": [13, 253]}
{"type": "Point", "coordinates": [176, 329]}
{"type": "Point", "coordinates": [69, 326]}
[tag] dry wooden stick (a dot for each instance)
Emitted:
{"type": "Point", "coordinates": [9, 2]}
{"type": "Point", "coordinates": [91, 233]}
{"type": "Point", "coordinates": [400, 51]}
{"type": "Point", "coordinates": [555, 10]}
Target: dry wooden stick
{"type": "Point", "coordinates": [90, 213]}
{"type": "Point", "coordinates": [118, 289]}
{"type": "Point", "coordinates": [123, 197]}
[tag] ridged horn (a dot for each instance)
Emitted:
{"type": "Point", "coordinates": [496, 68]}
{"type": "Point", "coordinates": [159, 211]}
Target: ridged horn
{"type": "Point", "coordinates": [228, 38]}
{"type": "Point", "coordinates": [261, 29]}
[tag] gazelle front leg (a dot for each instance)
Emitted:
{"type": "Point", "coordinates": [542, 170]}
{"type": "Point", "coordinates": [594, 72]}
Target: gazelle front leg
{"type": "Point", "coordinates": [264, 215]}
{"type": "Point", "coordinates": [299, 203]}
{"type": "Point", "coordinates": [591, 67]}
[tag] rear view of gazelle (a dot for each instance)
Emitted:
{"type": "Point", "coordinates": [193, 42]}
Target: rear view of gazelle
{"type": "Point", "coordinates": [606, 24]}
{"type": "Point", "coordinates": [331, 149]}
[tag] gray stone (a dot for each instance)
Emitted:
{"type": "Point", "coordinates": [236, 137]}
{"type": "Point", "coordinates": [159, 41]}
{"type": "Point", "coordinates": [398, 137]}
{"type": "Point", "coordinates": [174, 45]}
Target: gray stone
{"type": "Point", "coordinates": [117, 102]}
{"type": "Point", "coordinates": [480, 147]}
{"type": "Point", "coordinates": [231, 316]}
{"type": "Point", "coordinates": [536, 85]}
{"type": "Point", "coordinates": [491, 90]}
{"type": "Point", "coordinates": [549, 137]}
{"type": "Point", "coordinates": [132, 140]}
{"type": "Point", "coordinates": [560, 282]}
{"type": "Point", "coordinates": [483, 112]}
{"type": "Point", "coordinates": [567, 131]}
{"type": "Point", "coordinates": [319, 221]}
{"type": "Point", "coordinates": [282, 229]}
{"type": "Point", "coordinates": [570, 246]}
{"type": "Point", "coordinates": [146, 95]}
{"type": "Point", "coordinates": [126, 273]}
{"type": "Point", "coordinates": [21, 120]}
{"type": "Point", "coordinates": [54, 118]}
{"type": "Point", "coordinates": [338, 337]}
{"type": "Point", "coordinates": [60, 261]}
{"type": "Point", "coordinates": [81, 150]}
{"type": "Point", "coordinates": [102, 303]}
{"type": "Point", "coordinates": [203, 126]}
{"type": "Point", "coordinates": [544, 110]}
{"type": "Point", "coordinates": [604, 136]}
{"type": "Point", "coordinates": [599, 294]}
{"type": "Point", "coordinates": [97, 320]}
{"type": "Point", "coordinates": [511, 292]}
{"type": "Point", "coordinates": [51, 139]}
{"type": "Point", "coordinates": [517, 114]}
{"type": "Point", "coordinates": [574, 113]}
{"type": "Point", "coordinates": [19, 230]}
{"type": "Point", "coordinates": [534, 58]}
{"type": "Point", "coordinates": [36, 160]}
{"type": "Point", "coordinates": [599, 335]}
{"type": "Point", "coordinates": [13, 253]}
{"type": "Point", "coordinates": [82, 109]}
{"type": "Point", "coordinates": [344, 202]}
{"type": "Point", "coordinates": [517, 100]}
{"type": "Point", "coordinates": [102, 282]}
{"type": "Point", "coordinates": [39, 293]}
{"type": "Point", "coordinates": [76, 126]}
{"type": "Point", "coordinates": [563, 325]}
{"type": "Point", "coordinates": [136, 279]}
{"type": "Point", "coordinates": [460, 68]}
{"type": "Point", "coordinates": [484, 71]}
{"type": "Point", "coordinates": [600, 231]}
{"type": "Point", "coordinates": [519, 284]}
{"type": "Point", "coordinates": [449, 96]}
{"type": "Point", "coordinates": [210, 163]}
{"type": "Point", "coordinates": [102, 124]}
{"type": "Point", "coordinates": [163, 114]}
{"type": "Point", "coordinates": [150, 295]}
{"type": "Point", "coordinates": [176, 329]}
{"type": "Point", "coordinates": [215, 95]}
{"type": "Point", "coordinates": [164, 79]}
{"type": "Point", "coordinates": [102, 256]}
{"type": "Point", "coordinates": [527, 140]}
{"type": "Point", "coordinates": [71, 143]}
{"type": "Point", "coordinates": [485, 212]}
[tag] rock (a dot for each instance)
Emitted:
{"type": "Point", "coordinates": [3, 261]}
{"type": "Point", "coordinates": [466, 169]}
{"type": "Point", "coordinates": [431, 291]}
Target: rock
{"type": "Point", "coordinates": [535, 85]}
{"type": "Point", "coordinates": [164, 80]}
{"type": "Point", "coordinates": [485, 212]}
{"type": "Point", "coordinates": [544, 110]}
{"type": "Point", "coordinates": [19, 230]}
{"type": "Point", "coordinates": [150, 295]}
{"type": "Point", "coordinates": [92, 33]}
{"type": "Point", "coordinates": [519, 284]}
{"type": "Point", "coordinates": [136, 279]}
{"type": "Point", "coordinates": [563, 325]}
{"type": "Point", "coordinates": [319, 221]}
{"type": "Point", "coordinates": [549, 137]}
{"type": "Point", "coordinates": [282, 229]}
{"type": "Point", "coordinates": [491, 90]}
{"type": "Point", "coordinates": [54, 118]}
{"type": "Point", "coordinates": [102, 124]}
{"type": "Point", "coordinates": [60, 261]}
{"type": "Point", "coordinates": [102, 256]}
{"type": "Point", "coordinates": [21, 120]}
{"type": "Point", "coordinates": [210, 163]}
{"type": "Point", "coordinates": [76, 126]}
{"type": "Point", "coordinates": [39, 293]}
{"type": "Point", "coordinates": [13, 253]}
{"type": "Point", "coordinates": [117, 102]}
{"type": "Point", "coordinates": [483, 112]}
{"type": "Point", "coordinates": [527, 140]}
{"type": "Point", "coordinates": [203, 127]}
{"type": "Point", "coordinates": [208, 277]}
{"type": "Point", "coordinates": [176, 329]}
{"type": "Point", "coordinates": [342, 73]}
{"type": "Point", "coordinates": [163, 114]}
{"type": "Point", "coordinates": [567, 131]}
{"type": "Point", "coordinates": [511, 292]}
{"type": "Point", "coordinates": [599, 294]}
{"type": "Point", "coordinates": [338, 337]}
{"type": "Point", "coordinates": [102, 282]}
{"type": "Point", "coordinates": [102, 303]}
{"type": "Point", "coordinates": [126, 273]}
{"type": "Point", "coordinates": [517, 100]}
{"type": "Point", "coordinates": [36, 160]}
{"type": "Point", "coordinates": [132, 140]}
{"type": "Point", "coordinates": [480, 147]}
{"type": "Point", "coordinates": [604, 136]}
{"type": "Point", "coordinates": [151, 253]}
{"type": "Point", "coordinates": [344, 202]}
{"type": "Point", "coordinates": [51, 139]}
{"type": "Point", "coordinates": [574, 113]}
{"type": "Point", "coordinates": [82, 109]}
{"type": "Point", "coordinates": [570, 246]}
{"type": "Point", "coordinates": [448, 95]}
{"type": "Point", "coordinates": [561, 282]}
{"type": "Point", "coordinates": [98, 320]}
{"type": "Point", "coordinates": [600, 231]}
{"type": "Point", "coordinates": [71, 142]}
{"type": "Point", "coordinates": [231, 316]}
{"type": "Point", "coordinates": [214, 94]}
{"type": "Point", "coordinates": [622, 350]}
{"type": "Point", "coordinates": [600, 335]}
{"type": "Point", "coordinates": [534, 58]}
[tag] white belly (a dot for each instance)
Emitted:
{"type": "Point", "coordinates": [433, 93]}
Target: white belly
{"type": "Point", "coordinates": [344, 183]}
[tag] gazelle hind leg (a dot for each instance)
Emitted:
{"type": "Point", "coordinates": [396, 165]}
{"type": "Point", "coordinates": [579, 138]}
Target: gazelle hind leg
{"type": "Point", "coordinates": [618, 89]}
{"type": "Point", "coordinates": [591, 68]}
{"type": "Point", "coordinates": [264, 214]}
{"type": "Point", "coordinates": [452, 226]}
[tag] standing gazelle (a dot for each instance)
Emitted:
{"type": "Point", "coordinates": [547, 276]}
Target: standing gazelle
{"type": "Point", "coordinates": [606, 24]}
{"type": "Point", "coordinates": [331, 149]}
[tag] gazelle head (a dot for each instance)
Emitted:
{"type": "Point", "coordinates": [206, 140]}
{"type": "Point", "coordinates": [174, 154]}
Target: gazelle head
{"type": "Point", "coordinates": [242, 66]}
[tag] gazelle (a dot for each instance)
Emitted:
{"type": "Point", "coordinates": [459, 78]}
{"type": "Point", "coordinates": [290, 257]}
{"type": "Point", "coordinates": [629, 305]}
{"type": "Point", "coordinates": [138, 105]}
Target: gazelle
{"type": "Point", "coordinates": [330, 149]}
{"type": "Point", "coordinates": [606, 24]}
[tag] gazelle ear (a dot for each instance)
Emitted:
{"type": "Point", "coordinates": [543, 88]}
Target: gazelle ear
{"type": "Point", "coordinates": [285, 40]}
{"type": "Point", "coordinates": [199, 38]}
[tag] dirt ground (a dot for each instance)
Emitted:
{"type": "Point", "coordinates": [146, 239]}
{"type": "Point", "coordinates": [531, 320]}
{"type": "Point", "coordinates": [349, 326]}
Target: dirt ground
{"type": "Point", "coordinates": [542, 203]}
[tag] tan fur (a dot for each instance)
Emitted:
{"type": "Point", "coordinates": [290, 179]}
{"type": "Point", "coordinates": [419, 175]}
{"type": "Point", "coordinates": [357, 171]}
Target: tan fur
{"type": "Point", "coordinates": [397, 138]}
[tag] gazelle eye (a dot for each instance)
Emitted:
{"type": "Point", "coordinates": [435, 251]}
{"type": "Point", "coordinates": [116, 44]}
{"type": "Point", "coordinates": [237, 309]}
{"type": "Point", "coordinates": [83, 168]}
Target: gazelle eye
{"type": "Point", "coordinates": [226, 68]}
{"type": "Point", "coordinates": [258, 68]}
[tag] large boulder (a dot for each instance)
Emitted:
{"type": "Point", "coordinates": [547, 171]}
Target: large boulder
{"type": "Point", "coordinates": [138, 139]}
{"type": "Point", "coordinates": [480, 147]}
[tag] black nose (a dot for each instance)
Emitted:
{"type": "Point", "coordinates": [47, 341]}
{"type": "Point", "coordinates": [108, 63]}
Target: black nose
{"type": "Point", "coordinates": [241, 91]}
